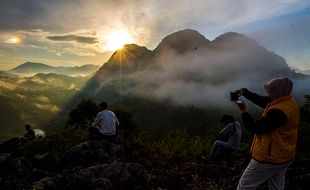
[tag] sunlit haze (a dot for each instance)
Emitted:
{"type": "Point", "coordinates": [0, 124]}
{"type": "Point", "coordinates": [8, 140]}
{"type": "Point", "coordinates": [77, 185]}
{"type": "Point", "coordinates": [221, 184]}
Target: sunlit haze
{"type": "Point", "coordinates": [117, 40]}
{"type": "Point", "coordinates": [72, 33]}
{"type": "Point", "coordinates": [13, 40]}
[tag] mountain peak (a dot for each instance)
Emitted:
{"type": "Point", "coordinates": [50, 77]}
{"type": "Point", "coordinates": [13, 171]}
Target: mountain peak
{"type": "Point", "coordinates": [31, 67]}
{"type": "Point", "coordinates": [132, 46]}
{"type": "Point", "coordinates": [28, 63]}
{"type": "Point", "coordinates": [183, 41]}
{"type": "Point", "coordinates": [131, 56]}
{"type": "Point", "coordinates": [230, 35]}
{"type": "Point", "coordinates": [233, 50]}
{"type": "Point", "coordinates": [233, 40]}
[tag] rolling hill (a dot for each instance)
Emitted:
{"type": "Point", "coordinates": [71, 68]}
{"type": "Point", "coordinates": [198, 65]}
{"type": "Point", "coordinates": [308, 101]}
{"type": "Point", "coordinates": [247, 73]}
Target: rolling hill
{"type": "Point", "coordinates": [34, 68]}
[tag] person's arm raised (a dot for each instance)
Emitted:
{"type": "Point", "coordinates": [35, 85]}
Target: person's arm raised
{"type": "Point", "coordinates": [259, 100]}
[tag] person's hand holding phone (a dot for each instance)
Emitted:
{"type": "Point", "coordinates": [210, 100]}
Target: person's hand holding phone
{"type": "Point", "coordinates": [241, 105]}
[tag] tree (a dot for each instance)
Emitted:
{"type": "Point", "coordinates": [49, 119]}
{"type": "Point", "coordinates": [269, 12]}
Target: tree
{"type": "Point", "coordinates": [128, 127]}
{"type": "Point", "coordinates": [305, 110]}
{"type": "Point", "coordinates": [85, 112]}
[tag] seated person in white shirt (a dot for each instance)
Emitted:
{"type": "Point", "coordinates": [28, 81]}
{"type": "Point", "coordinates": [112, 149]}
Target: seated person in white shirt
{"type": "Point", "coordinates": [105, 125]}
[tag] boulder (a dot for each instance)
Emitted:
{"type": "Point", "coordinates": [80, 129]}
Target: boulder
{"type": "Point", "coordinates": [101, 183]}
{"type": "Point", "coordinates": [46, 161]}
{"type": "Point", "coordinates": [84, 155]}
{"type": "Point", "coordinates": [13, 172]}
{"type": "Point", "coordinates": [36, 175]}
{"type": "Point", "coordinates": [13, 146]}
{"type": "Point", "coordinates": [4, 157]}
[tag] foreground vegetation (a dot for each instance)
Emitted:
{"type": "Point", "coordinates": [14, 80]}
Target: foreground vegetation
{"type": "Point", "coordinates": [65, 159]}
{"type": "Point", "coordinates": [175, 143]}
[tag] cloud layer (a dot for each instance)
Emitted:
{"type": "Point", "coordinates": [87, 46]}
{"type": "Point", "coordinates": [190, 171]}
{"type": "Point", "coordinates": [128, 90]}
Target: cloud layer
{"type": "Point", "coordinates": [79, 39]}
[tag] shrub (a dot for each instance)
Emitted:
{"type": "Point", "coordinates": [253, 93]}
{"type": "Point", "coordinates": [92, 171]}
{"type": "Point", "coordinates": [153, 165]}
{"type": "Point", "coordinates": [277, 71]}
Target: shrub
{"type": "Point", "coordinates": [57, 142]}
{"type": "Point", "coordinates": [178, 144]}
{"type": "Point", "coordinates": [304, 130]}
{"type": "Point", "coordinates": [128, 127]}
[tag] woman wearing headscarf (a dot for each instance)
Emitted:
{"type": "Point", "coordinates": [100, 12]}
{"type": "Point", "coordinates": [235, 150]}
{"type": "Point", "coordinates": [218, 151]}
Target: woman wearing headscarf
{"type": "Point", "coordinates": [275, 135]}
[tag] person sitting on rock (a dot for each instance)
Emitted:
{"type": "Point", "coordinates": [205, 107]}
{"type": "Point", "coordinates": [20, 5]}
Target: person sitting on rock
{"type": "Point", "coordinates": [30, 134]}
{"type": "Point", "coordinates": [104, 125]}
{"type": "Point", "coordinates": [232, 131]}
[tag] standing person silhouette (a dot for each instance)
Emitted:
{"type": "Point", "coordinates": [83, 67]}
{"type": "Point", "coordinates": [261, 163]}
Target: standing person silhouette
{"type": "Point", "coordinates": [275, 135]}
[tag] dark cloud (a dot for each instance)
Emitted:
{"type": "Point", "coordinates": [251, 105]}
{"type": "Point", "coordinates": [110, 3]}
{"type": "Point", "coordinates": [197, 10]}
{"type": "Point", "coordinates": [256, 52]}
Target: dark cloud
{"type": "Point", "coordinates": [79, 39]}
{"type": "Point", "coordinates": [56, 15]}
{"type": "Point", "coordinates": [21, 14]}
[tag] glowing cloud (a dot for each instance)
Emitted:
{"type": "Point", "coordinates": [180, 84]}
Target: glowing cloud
{"type": "Point", "coordinates": [76, 38]}
{"type": "Point", "coordinates": [13, 40]}
{"type": "Point", "coordinates": [43, 99]}
{"type": "Point", "coordinates": [7, 85]}
{"type": "Point", "coordinates": [47, 107]}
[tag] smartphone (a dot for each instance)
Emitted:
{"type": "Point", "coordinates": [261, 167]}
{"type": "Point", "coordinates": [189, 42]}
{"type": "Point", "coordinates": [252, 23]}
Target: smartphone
{"type": "Point", "coordinates": [238, 102]}
{"type": "Point", "coordinates": [234, 96]}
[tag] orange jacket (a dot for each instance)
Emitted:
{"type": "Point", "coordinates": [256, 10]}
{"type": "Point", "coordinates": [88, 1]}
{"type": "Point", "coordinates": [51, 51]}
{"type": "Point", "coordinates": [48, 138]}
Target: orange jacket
{"type": "Point", "coordinates": [278, 146]}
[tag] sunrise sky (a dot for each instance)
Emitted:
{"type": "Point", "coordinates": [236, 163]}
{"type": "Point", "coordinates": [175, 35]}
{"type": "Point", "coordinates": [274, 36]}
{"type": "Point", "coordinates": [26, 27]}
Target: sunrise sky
{"type": "Point", "coordinates": [77, 32]}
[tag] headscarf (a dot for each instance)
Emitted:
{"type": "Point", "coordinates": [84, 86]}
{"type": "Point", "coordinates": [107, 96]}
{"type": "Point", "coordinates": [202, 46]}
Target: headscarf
{"type": "Point", "coordinates": [278, 87]}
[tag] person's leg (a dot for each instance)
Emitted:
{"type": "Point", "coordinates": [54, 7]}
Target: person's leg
{"type": "Point", "coordinates": [254, 175]}
{"type": "Point", "coordinates": [219, 145]}
{"type": "Point", "coordinates": [109, 138]}
{"type": "Point", "coordinates": [277, 181]}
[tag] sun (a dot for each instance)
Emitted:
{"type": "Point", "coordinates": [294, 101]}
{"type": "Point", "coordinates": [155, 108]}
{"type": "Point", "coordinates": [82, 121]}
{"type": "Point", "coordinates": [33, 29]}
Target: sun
{"type": "Point", "coordinates": [117, 39]}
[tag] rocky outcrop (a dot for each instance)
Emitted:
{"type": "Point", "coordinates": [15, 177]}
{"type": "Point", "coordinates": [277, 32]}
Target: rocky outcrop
{"type": "Point", "coordinates": [115, 175]}
{"type": "Point", "coordinates": [106, 165]}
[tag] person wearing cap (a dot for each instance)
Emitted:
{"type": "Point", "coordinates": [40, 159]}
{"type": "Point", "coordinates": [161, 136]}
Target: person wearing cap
{"type": "Point", "coordinates": [105, 125]}
{"type": "Point", "coordinates": [275, 134]}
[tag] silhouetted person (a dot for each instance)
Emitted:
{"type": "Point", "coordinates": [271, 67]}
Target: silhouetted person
{"type": "Point", "coordinates": [274, 144]}
{"type": "Point", "coordinates": [232, 131]}
{"type": "Point", "coordinates": [105, 125]}
{"type": "Point", "coordinates": [30, 134]}
{"type": "Point", "coordinates": [15, 144]}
